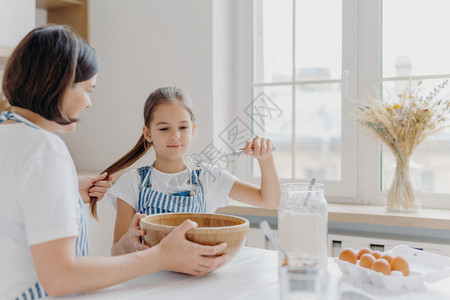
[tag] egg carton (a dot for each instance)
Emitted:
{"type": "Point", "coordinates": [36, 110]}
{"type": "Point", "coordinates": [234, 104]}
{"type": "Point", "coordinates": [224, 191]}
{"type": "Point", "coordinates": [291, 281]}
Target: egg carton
{"type": "Point", "coordinates": [423, 266]}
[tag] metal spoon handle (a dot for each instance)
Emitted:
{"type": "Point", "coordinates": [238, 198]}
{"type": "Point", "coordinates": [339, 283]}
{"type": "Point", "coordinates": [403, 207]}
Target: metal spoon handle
{"type": "Point", "coordinates": [268, 232]}
{"type": "Point", "coordinates": [242, 150]}
{"type": "Point", "coordinates": [195, 160]}
{"type": "Point", "coordinates": [313, 181]}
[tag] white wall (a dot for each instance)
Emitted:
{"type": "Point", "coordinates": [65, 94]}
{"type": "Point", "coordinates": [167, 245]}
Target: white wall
{"type": "Point", "coordinates": [41, 17]}
{"type": "Point", "coordinates": [143, 45]}
{"type": "Point", "coordinates": [16, 20]}
{"type": "Point", "coordinates": [223, 67]}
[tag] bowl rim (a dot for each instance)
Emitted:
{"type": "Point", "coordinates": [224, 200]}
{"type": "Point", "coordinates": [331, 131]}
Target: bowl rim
{"type": "Point", "coordinates": [246, 222]}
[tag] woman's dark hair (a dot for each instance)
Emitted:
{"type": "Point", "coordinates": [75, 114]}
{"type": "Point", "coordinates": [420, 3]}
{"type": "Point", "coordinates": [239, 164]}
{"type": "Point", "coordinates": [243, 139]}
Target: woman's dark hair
{"type": "Point", "coordinates": [48, 61]}
{"type": "Point", "coordinates": [164, 95]}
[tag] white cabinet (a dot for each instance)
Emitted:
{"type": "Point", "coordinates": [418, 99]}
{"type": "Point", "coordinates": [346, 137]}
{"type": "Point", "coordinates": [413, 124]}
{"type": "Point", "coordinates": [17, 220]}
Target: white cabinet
{"type": "Point", "coordinates": [257, 239]}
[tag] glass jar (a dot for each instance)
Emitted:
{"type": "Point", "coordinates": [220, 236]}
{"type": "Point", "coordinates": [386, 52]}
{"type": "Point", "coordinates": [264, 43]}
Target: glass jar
{"type": "Point", "coordinates": [303, 221]}
{"type": "Point", "coordinates": [302, 278]}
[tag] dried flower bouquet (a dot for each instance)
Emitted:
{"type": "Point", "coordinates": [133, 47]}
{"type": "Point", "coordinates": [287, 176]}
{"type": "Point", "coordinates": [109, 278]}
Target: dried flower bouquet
{"type": "Point", "coordinates": [402, 124]}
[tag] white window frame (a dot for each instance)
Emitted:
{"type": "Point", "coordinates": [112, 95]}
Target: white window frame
{"type": "Point", "coordinates": [361, 65]}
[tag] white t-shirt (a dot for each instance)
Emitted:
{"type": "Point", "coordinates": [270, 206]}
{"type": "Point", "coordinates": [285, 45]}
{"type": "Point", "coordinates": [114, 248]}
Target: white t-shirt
{"type": "Point", "coordinates": [38, 200]}
{"type": "Point", "coordinates": [217, 184]}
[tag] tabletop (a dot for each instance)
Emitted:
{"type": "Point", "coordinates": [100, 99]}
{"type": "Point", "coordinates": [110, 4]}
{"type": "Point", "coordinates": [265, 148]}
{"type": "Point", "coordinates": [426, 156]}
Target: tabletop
{"type": "Point", "coordinates": [252, 274]}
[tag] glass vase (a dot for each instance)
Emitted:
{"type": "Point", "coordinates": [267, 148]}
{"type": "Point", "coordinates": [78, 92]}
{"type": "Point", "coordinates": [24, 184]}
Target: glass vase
{"type": "Point", "coordinates": [403, 180]}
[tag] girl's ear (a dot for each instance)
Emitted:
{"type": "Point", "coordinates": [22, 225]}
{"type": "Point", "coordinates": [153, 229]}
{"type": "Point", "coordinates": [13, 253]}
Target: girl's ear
{"type": "Point", "coordinates": [194, 127]}
{"type": "Point", "coordinates": [147, 135]}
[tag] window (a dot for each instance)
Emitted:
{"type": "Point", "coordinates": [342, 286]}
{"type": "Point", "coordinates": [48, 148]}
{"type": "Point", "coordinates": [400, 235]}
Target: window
{"type": "Point", "coordinates": [312, 59]}
{"type": "Point", "coordinates": [415, 46]}
{"type": "Point", "coordinates": [302, 75]}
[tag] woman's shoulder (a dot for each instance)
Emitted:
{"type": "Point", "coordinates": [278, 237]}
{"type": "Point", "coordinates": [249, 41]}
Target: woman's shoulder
{"type": "Point", "coordinates": [41, 141]}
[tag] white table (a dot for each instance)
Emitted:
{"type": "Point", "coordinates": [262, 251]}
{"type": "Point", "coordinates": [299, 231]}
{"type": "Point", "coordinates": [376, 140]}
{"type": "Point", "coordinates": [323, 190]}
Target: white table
{"type": "Point", "coordinates": [252, 274]}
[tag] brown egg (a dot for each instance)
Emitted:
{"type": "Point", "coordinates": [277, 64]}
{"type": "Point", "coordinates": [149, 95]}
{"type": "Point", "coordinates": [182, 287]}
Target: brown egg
{"type": "Point", "coordinates": [366, 260]}
{"type": "Point", "coordinates": [382, 265]}
{"type": "Point", "coordinates": [376, 254]}
{"type": "Point", "coordinates": [363, 251]}
{"type": "Point", "coordinates": [348, 254]}
{"type": "Point", "coordinates": [400, 264]}
{"type": "Point", "coordinates": [387, 257]}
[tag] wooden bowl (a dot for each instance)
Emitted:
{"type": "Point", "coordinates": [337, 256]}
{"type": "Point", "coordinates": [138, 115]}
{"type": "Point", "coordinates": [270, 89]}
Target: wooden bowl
{"type": "Point", "coordinates": [212, 229]}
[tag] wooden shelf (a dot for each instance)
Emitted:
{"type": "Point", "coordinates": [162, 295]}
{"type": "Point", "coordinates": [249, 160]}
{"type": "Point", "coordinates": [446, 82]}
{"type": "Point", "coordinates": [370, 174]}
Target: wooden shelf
{"type": "Point", "coordinates": [55, 4]}
{"type": "Point", "coordinates": [67, 12]}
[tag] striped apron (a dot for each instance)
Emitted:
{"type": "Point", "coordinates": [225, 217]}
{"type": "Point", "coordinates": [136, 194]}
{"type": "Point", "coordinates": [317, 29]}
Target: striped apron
{"type": "Point", "coordinates": [154, 202]}
{"type": "Point", "coordinates": [36, 291]}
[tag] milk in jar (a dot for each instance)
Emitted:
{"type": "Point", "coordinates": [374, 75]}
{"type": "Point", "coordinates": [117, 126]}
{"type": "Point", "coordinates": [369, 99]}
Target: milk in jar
{"type": "Point", "coordinates": [303, 221]}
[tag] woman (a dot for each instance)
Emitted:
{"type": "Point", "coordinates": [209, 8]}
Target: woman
{"type": "Point", "coordinates": [43, 224]}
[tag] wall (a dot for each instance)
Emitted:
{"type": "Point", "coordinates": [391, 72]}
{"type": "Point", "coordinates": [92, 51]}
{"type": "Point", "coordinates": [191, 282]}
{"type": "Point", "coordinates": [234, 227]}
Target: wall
{"type": "Point", "coordinates": [223, 68]}
{"type": "Point", "coordinates": [41, 17]}
{"type": "Point", "coordinates": [16, 20]}
{"type": "Point", "coordinates": [143, 46]}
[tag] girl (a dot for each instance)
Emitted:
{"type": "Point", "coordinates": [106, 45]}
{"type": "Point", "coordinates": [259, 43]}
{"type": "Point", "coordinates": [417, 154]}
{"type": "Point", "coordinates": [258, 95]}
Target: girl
{"type": "Point", "coordinates": [167, 185]}
{"type": "Point", "coordinates": [43, 223]}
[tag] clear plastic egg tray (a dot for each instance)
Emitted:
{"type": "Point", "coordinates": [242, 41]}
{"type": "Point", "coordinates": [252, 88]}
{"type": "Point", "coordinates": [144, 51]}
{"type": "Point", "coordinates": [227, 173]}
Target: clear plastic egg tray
{"type": "Point", "coordinates": [423, 266]}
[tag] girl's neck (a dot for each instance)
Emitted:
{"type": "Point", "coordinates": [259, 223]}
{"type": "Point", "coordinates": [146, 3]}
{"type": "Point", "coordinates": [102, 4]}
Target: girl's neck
{"type": "Point", "coordinates": [169, 166]}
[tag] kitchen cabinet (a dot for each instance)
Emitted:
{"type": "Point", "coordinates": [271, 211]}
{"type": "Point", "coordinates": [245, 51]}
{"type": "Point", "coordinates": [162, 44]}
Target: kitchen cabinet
{"type": "Point", "coordinates": [71, 12]}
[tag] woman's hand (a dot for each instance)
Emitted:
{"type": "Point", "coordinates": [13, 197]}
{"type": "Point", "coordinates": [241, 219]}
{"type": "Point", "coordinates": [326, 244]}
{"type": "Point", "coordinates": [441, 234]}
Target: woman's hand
{"type": "Point", "coordinates": [94, 186]}
{"type": "Point", "coordinates": [131, 241]}
{"type": "Point", "coordinates": [262, 148]}
{"type": "Point", "coordinates": [180, 255]}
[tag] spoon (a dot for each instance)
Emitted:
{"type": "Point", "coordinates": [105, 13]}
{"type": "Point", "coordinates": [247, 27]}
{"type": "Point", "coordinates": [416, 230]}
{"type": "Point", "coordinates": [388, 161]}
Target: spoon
{"type": "Point", "coordinates": [313, 181]}
{"type": "Point", "coordinates": [264, 225]}
{"type": "Point", "coordinates": [241, 151]}
{"type": "Point", "coordinates": [194, 161]}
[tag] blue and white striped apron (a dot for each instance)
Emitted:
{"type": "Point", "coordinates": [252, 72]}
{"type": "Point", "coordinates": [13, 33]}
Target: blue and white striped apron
{"type": "Point", "coordinates": [154, 202]}
{"type": "Point", "coordinates": [36, 291]}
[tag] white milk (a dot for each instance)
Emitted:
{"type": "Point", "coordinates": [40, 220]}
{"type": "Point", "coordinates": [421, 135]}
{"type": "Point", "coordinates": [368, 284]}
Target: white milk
{"type": "Point", "coordinates": [304, 233]}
